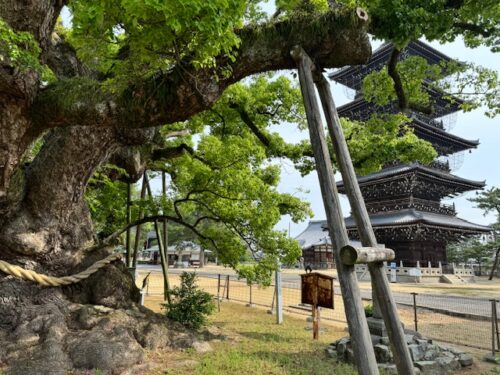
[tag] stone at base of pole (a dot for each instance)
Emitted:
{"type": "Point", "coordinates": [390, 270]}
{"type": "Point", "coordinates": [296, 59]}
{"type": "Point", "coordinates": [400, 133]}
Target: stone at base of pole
{"type": "Point", "coordinates": [492, 358]}
{"type": "Point", "coordinates": [377, 326]}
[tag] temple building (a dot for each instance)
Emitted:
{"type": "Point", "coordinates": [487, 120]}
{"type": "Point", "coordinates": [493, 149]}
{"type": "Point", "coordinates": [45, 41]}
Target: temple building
{"type": "Point", "coordinates": [404, 200]}
{"type": "Point", "coordinates": [317, 246]}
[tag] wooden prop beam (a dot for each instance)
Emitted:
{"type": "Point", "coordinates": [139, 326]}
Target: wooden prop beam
{"type": "Point", "coordinates": [354, 310]}
{"type": "Point", "coordinates": [380, 285]}
{"type": "Point", "coordinates": [362, 255]}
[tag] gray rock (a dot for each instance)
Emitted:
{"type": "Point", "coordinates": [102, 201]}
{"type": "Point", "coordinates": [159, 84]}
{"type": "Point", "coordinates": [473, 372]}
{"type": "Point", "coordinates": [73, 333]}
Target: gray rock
{"type": "Point", "coordinates": [342, 346]}
{"type": "Point", "coordinates": [430, 355]}
{"type": "Point", "coordinates": [492, 358]}
{"type": "Point", "coordinates": [383, 353]}
{"type": "Point", "coordinates": [202, 347]}
{"type": "Point", "coordinates": [416, 352]}
{"type": "Point", "coordinates": [388, 369]}
{"type": "Point", "coordinates": [465, 359]}
{"type": "Point", "coordinates": [410, 339]}
{"type": "Point", "coordinates": [375, 339]}
{"type": "Point", "coordinates": [423, 343]}
{"type": "Point", "coordinates": [331, 353]}
{"type": "Point", "coordinates": [350, 356]}
{"type": "Point", "coordinates": [428, 367]}
{"type": "Point", "coordinates": [448, 364]}
{"type": "Point", "coordinates": [385, 341]}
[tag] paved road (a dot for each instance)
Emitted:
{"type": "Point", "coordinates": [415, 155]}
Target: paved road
{"type": "Point", "coordinates": [475, 308]}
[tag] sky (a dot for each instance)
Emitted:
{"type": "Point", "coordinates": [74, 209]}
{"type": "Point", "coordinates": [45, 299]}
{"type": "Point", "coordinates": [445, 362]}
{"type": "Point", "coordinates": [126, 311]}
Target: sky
{"type": "Point", "coordinates": [481, 164]}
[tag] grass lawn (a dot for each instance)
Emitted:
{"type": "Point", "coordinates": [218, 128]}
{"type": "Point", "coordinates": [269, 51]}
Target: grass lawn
{"type": "Point", "coordinates": [255, 345]}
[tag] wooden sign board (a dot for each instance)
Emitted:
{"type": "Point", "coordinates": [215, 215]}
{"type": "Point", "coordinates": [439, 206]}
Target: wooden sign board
{"type": "Point", "coordinates": [317, 289]}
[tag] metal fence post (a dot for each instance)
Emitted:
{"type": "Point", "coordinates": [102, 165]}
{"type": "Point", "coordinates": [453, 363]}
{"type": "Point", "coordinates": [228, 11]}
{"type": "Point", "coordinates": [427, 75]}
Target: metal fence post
{"type": "Point", "coordinates": [493, 326]}
{"type": "Point", "coordinates": [218, 292]}
{"type": "Point", "coordinates": [496, 325]}
{"type": "Point", "coordinates": [227, 289]}
{"type": "Point", "coordinates": [415, 310]}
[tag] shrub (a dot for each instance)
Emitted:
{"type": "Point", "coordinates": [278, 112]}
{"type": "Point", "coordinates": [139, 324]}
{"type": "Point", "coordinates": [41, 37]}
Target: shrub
{"type": "Point", "coordinates": [190, 305]}
{"type": "Point", "coordinates": [368, 311]}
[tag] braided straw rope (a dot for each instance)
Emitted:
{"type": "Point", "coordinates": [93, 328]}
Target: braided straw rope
{"type": "Point", "coordinates": [52, 280]}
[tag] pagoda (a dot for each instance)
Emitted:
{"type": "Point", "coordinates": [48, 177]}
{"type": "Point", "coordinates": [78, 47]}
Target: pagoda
{"type": "Point", "coordinates": [404, 200]}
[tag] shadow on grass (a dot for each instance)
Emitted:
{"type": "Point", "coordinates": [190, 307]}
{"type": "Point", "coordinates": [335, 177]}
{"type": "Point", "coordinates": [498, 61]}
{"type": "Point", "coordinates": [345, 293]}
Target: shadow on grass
{"type": "Point", "coordinates": [305, 363]}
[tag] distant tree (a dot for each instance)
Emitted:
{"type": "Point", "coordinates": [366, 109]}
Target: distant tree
{"type": "Point", "coordinates": [489, 201]}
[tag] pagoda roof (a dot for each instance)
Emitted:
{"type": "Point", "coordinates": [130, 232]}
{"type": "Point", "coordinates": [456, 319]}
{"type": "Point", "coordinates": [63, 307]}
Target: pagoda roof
{"type": "Point", "coordinates": [398, 171]}
{"type": "Point", "coordinates": [362, 110]}
{"type": "Point", "coordinates": [352, 76]}
{"type": "Point", "coordinates": [315, 235]}
{"type": "Point", "coordinates": [446, 143]}
{"type": "Point", "coordinates": [411, 216]}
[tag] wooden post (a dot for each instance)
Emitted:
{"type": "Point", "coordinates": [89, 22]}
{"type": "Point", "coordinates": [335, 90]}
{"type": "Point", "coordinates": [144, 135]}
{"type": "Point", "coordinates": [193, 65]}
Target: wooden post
{"type": "Point", "coordinates": [227, 289]}
{"type": "Point", "coordinates": [382, 295]}
{"type": "Point", "coordinates": [315, 317]}
{"type": "Point", "coordinates": [165, 231]}
{"type": "Point", "coordinates": [166, 285]}
{"type": "Point", "coordinates": [358, 327]}
{"type": "Point", "coordinates": [415, 318]}
{"type": "Point", "coordinates": [129, 213]}
{"type": "Point", "coordinates": [351, 255]}
{"type": "Point", "coordinates": [139, 227]}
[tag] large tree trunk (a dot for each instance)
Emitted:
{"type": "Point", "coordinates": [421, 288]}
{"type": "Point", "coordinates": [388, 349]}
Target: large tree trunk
{"type": "Point", "coordinates": [51, 330]}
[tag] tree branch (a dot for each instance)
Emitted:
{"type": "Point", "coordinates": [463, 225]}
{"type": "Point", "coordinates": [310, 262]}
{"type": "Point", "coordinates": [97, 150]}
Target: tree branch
{"type": "Point", "coordinates": [392, 70]}
{"type": "Point", "coordinates": [245, 117]}
{"type": "Point", "coordinates": [476, 29]}
{"type": "Point", "coordinates": [334, 39]}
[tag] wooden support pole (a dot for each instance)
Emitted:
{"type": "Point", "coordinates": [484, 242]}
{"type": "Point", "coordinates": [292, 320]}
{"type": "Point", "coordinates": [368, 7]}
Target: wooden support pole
{"type": "Point", "coordinates": [165, 230]}
{"type": "Point", "coordinates": [380, 285]}
{"type": "Point", "coordinates": [164, 265]}
{"type": "Point", "coordinates": [354, 310]}
{"type": "Point", "coordinates": [128, 252]}
{"type": "Point", "coordinates": [139, 227]}
{"type": "Point", "coordinates": [362, 255]}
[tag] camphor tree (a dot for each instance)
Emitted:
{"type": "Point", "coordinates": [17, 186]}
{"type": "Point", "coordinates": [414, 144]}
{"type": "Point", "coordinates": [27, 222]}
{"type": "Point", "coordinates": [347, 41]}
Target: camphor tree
{"type": "Point", "coordinates": [115, 89]}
